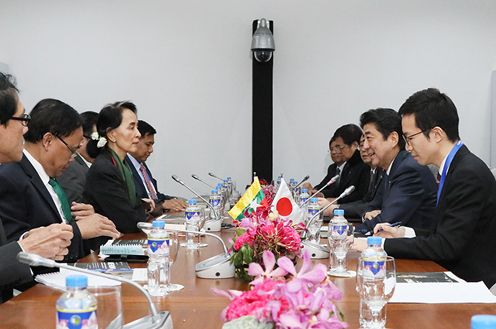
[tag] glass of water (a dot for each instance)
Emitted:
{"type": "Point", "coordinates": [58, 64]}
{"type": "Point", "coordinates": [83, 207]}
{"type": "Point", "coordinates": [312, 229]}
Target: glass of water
{"type": "Point", "coordinates": [338, 248]}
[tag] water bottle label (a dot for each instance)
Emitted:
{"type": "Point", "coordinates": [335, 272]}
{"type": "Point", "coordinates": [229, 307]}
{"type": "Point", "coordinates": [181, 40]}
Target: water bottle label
{"type": "Point", "coordinates": [339, 229]}
{"type": "Point", "coordinates": [375, 267]}
{"type": "Point", "coordinates": [215, 202]}
{"type": "Point", "coordinates": [191, 214]}
{"type": "Point", "coordinates": [303, 200]}
{"type": "Point", "coordinates": [84, 319]}
{"type": "Point", "coordinates": [154, 245]}
{"type": "Point", "coordinates": [312, 212]}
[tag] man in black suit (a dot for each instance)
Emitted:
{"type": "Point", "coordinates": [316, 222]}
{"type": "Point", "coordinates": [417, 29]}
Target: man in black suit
{"type": "Point", "coordinates": [334, 168]}
{"type": "Point", "coordinates": [73, 178]}
{"type": "Point", "coordinates": [146, 185]}
{"type": "Point", "coordinates": [409, 192]}
{"type": "Point", "coordinates": [356, 209]}
{"type": "Point", "coordinates": [463, 239]}
{"type": "Point", "coordinates": [30, 197]}
{"type": "Point", "coordinates": [50, 242]}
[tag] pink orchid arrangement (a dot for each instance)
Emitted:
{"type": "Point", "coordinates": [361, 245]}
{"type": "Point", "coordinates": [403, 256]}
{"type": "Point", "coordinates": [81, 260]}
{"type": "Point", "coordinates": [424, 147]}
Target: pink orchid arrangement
{"type": "Point", "coordinates": [305, 300]}
{"type": "Point", "coordinates": [258, 234]}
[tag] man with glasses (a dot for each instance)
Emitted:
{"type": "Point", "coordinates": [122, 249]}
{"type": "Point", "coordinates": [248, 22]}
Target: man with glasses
{"type": "Point", "coordinates": [463, 241]}
{"type": "Point", "coordinates": [409, 192]}
{"type": "Point", "coordinates": [73, 178]}
{"type": "Point", "coordinates": [51, 241]}
{"type": "Point", "coordinates": [30, 195]}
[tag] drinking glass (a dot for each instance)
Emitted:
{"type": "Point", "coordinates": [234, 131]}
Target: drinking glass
{"type": "Point", "coordinates": [375, 284]}
{"type": "Point", "coordinates": [109, 306]}
{"type": "Point", "coordinates": [173, 243]}
{"type": "Point", "coordinates": [338, 248]}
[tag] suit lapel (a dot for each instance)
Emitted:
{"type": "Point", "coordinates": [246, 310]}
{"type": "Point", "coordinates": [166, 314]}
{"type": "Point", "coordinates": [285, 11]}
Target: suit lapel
{"type": "Point", "coordinates": [459, 155]}
{"type": "Point", "coordinates": [38, 184]}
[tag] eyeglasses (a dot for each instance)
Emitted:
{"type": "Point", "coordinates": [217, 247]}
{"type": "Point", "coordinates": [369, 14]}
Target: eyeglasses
{"type": "Point", "coordinates": [337, 148]}
{"type": "Point", "coordinates": [408, 139]}
{"type": "Point", "coordinates": [73, 152]}
{"type": "Point", "coordinates": [24, 118]}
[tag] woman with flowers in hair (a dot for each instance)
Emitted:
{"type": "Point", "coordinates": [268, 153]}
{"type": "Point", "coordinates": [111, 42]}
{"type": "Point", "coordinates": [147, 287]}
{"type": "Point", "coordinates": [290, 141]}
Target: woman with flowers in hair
{"type": "Point", "coordinates": [109, 183]}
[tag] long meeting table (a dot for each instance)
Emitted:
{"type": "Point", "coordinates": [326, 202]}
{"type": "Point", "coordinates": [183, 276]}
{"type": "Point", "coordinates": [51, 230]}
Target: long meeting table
{"type": "Point", "coordinates": [196, 306]}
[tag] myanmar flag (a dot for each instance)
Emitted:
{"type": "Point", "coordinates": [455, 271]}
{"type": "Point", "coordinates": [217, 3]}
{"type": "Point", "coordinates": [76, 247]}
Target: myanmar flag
{"type": "Point", "coordinates": [250, 201]}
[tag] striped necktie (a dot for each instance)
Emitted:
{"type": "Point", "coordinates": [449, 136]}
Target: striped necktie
{"type": "Point", "coordinates": [149, 185]}
{"type": "Point", "coordinates": [66, 208]}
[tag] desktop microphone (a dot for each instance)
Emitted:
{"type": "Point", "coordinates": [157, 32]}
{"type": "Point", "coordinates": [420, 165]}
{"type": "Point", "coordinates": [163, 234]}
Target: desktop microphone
{"type": "Point", "coordinates": [156, 320]}
{"type": "Point", "coordinates": [216, 215]}
{"type": "Point", "coordinates": [316, 250]}
{"type": "Point", "coordinates": [216, 267]}
{"type": "Point", "coordinates": [302, 181]}
{"type": "Point", "coordinates": [198, 179]}
{"type": "Point", "coordinates": [330, 182]}
{"type": "Point", "coordinates": [211, 174]}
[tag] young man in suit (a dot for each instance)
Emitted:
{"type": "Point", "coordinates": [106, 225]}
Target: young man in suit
{"type": "Point", "coordinates": [463, 239]}
{"type": "Point", "coordinates": [146, 185]}
{"type": "Point", "coordinates": [51, 241]}
{"type": "Point", "coordinates": [31, 197]}
{"type": "Point", "coordinates": [73, 178]}
{"type": "Point", "coordinates": [409, 195]}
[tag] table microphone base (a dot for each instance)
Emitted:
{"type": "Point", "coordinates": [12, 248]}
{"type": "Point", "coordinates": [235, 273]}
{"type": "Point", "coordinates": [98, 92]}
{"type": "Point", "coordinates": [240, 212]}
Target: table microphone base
{"type": "Point", "coordinates": [316, 250]}
{"type": "Point", "coordinates": [163, 320]}
{"type": "Point", "coordinates": [217, 267]}
{"type": "Point", "coordinates": [213, 225]}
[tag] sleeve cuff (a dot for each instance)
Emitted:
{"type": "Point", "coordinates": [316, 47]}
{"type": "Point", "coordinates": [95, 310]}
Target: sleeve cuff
{"type": "Point", "coordinates": [409, 232]}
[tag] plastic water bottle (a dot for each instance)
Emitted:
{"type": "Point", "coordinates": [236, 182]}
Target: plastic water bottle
{"type": "Point", "coordinates": [372, 279]}
{"type": "Point", "coordinates": [313, 228]}
{"type": "Point", "coordinates": [215, 201]}
{"type": "Point", "coordinates": [158, 258]}
{"type": "Point", "coordinates": [304, 197]}
{"type": "Point", "coordinates": [338, 232]}
{"type": "Point", "coordinates": [193, 218]}
{"type": "Point", "coordinates": [483, 321]}
{"type": "Point", "coordinates": [77, 307]}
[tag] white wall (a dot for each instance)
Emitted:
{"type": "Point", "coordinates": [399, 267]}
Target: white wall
{"type": "Point", "coordinates": [187, 66]}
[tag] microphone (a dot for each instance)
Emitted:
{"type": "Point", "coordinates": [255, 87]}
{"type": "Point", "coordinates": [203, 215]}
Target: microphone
{"type": "Point", "coordinates": [316, 250]}
{"type": "Point", "coordinates": [156, 320]}
{"type": "Point", "coordinates": [216, 267]}
{"type": "Point", "coordinates": [198, 179]}
{"type": "Point", "coordinates": [177, 179]}
{"type": "Point", "coordinates": [211, 174]}
{"type": "Point", "coordinates": [302, 181]}
{"type": "Point", "coordinates": [330, 182]}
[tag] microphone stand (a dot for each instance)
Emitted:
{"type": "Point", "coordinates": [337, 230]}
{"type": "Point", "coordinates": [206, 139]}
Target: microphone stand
{"type": "Point", "coordinates": [211, 174]}
{"type": "Point", "coordinates": [156, 320]}
{"type": "Point", "coordinates": [330, 182]}
{"type": "Point", "coordinates": [302, 181]}
{"type": "Point", "coordinates": [198, 179]}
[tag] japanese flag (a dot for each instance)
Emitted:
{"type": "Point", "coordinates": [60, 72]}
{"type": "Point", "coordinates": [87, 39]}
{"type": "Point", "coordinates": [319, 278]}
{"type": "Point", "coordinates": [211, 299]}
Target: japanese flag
{"type": "Point", "coordinates": [285, 204]}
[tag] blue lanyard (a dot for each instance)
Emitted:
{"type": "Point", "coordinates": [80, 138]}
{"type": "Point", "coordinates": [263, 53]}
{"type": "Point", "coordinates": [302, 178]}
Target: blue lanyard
{"type": "Point", "coordinates": [450, 157]}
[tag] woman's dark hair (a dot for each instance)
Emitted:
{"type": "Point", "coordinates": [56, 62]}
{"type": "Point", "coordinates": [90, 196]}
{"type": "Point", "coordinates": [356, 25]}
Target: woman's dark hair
{"type": "Point", "coordinates": [8, 97]}
{"type": "Point", "coordinates": [110, 117]}
{"type": "Point", "coordinates": [89, 119]}
{"type": "Point", "coordinates": [52, 116]}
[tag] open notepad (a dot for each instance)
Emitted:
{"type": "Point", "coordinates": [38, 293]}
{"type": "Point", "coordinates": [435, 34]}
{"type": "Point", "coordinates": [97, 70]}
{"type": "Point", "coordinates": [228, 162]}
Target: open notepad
{"type": "Point", "coordinates": [57, 279]}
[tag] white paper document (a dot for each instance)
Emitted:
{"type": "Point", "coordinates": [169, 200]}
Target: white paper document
{"type": "Point", "coordinates": [442, 293]}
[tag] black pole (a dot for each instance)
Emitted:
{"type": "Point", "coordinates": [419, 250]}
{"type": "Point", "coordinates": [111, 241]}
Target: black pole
{"type": "Point", "coordinates": [262, 115]}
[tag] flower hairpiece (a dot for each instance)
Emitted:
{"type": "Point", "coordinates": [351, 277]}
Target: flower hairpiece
{"type": "Point", "coordinates": [101, 140]}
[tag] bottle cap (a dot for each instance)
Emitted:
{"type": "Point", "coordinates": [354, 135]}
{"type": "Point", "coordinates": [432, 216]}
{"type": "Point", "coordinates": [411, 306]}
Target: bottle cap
{"type": "Point", "coordinates": [304, 190]}
{"type": "Point", "coordinates": [314, 200]}
{"type": "Point", "coordinates": [76, 281]}
{"type": "Point", "coordinates": [158, 224]}
{"type": "Point", "coordinates": [214, 191]}
{"type": "Point", "coordinates": [192, 202]}
{"type": "Point", "coordinates": [374, 240]}
{"type": "Point", "coordinates": [338, 212]}
{"type": "Point", "coordinates": [483, 321]}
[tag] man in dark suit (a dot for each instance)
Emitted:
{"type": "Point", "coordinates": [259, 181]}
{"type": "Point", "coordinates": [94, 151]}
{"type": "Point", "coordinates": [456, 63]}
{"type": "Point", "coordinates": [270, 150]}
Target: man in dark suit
{"type": "Point", "coordinates": [463, 239]}
{"type": "Point", "coordinates": [356, 209]}
{"type": "Point", "coordinates": [334, 168]}
{"type": "Point", "coordinates": [73, 178]}
{"type": "Point", "coordinates": [409, 195]}
{"type": "Point", "coordinates": [50, 242]}
{"type": "Point", "coordinates": [30, 197]}
{"type": "Point", "coordinates": [146, 185]}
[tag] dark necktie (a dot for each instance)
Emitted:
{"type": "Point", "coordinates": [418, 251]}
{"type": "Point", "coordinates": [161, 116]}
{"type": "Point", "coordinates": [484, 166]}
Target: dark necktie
{"type": "Point", "coordinates": [66, 207]}
{"type": "Point", "coordinates": [338, 172]}
{"type": "Point", "coordinates": [373, 179]}
{"type": "Point", "coordinates": [148, 182]}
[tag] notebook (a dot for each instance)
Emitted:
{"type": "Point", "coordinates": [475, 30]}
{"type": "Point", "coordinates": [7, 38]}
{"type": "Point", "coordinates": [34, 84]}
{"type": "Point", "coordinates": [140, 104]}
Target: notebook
{"type": "Point", "coordinates": [57, 279]}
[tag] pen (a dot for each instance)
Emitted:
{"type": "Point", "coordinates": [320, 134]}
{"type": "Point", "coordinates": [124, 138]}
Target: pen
{"type": "Point", "coordinates": [392, 225]}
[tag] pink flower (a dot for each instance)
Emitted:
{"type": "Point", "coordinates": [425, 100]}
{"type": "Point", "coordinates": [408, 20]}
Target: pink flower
{"type": "Point", "coordinates": [256, 270]}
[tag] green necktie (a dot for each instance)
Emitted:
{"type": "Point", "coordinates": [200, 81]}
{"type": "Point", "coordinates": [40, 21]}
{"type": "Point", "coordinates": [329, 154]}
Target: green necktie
{"type": "Point", "coordinates": [66, 208]}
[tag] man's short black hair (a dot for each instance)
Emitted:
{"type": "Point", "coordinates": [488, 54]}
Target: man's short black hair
{"type": "Point", "coordinates": [386, 121]}
{"type": "Point", "coordinates": [89, 119]}
{"type": "Point", "coordinates": [8, 97]}
{"type": "Point", "coordinates": [350, 133]}
{"type": "Point", "coordinates": [145, 128]}
{"type": "Point", "coordinates": [433, 109]}
{"type": "Point", "coordinates": [52, 116]}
